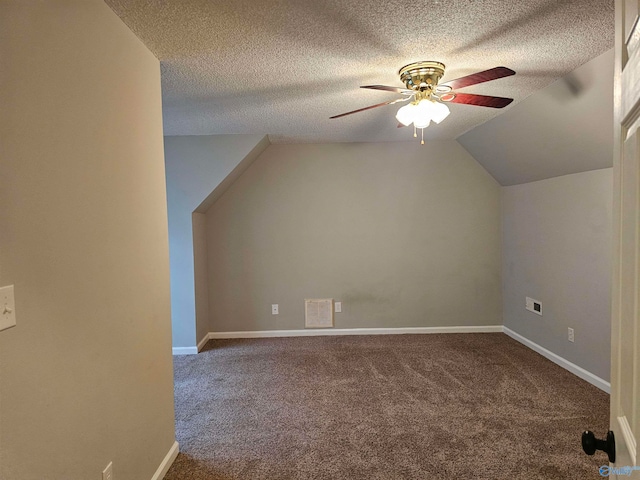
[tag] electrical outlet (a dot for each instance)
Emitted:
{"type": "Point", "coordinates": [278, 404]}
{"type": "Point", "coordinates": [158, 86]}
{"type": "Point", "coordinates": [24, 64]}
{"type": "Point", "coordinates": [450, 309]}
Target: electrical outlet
{"type": "Point", "coordinates": [338, 307]}
{"type": "Point", "coordinates": [107, 473]}
{"type": "Point", "coordinates": [570, 335]}
{"type": "Point", "coordinates": [274, 309]}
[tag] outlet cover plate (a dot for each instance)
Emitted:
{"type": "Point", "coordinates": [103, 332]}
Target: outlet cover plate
{"type": "Point", "coordinates": [7, 308]}
{"type": "Point", "coordinates": [275, 309]}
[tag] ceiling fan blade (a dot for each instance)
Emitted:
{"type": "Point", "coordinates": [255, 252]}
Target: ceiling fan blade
{"type": "Point", "coordinates": [480, 100]}
{"type": "Point", "coordinates": [389, 89]}
{"type": "Point", "coordinates": [366, 108]}
{"type": "Point", "coordinates": [480, 77]}
{"type": "Point", "coordinates": [401, 125]}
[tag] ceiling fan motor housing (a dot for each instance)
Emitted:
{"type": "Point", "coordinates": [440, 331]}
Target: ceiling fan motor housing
{"type": "Point", "coordinates": [422, 76]}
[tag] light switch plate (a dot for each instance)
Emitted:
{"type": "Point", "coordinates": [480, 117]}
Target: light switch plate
{"type": "Point", "coordinates": [274, 309]}
{"type": "Point", "coordinates": [107, 473]}
{"type": "Point", "coordinates": [338, 307]}
{"type": "Point", "coordinates": [7, 308]}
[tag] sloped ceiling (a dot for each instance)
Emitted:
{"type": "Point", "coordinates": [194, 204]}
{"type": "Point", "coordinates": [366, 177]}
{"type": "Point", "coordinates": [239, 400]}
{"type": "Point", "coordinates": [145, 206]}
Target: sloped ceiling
{"type": "Point", "coordinates": [284, 67]}
{"type": "Point", "coordinates": [564, 128]}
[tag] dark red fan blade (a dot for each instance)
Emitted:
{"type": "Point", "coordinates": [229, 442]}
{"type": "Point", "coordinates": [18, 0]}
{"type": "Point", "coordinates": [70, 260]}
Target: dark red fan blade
{"type": "Point", "coordinates": [401, 125]}
{"type": "Point", "coordinates": [481, 100]}
{"type": "Point", "coordinates": [365, 108]}
{"type": "Point", "coordinates": [480, 77]}
{"type": "Point", "coordinates": [387, 89]}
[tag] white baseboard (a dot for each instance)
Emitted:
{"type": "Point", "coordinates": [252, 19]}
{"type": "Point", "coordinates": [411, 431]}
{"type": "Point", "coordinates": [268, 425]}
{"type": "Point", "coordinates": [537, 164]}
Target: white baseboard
{"type": "Point", "coordinates": [558, 360]}
{"type": "Point", "coordinates": [203, 342]}
{"type": "Point", "coordinates": [628, 437]}
{"type": "Point", "coordinates": [167, 461]}
{"type": "Point", "coordinates": [185, 350]}
{"type": "Point", "coordinates": [353, 331]}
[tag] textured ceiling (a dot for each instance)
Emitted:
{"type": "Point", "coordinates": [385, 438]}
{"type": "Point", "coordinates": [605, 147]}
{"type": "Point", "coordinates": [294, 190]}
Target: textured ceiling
{"type": "Point", "coordinates": [282, 68]}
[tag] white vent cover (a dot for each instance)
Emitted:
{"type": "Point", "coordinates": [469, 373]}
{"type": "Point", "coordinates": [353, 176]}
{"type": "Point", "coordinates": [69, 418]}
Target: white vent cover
{"type": "Point", "coordinates": [318, 313]}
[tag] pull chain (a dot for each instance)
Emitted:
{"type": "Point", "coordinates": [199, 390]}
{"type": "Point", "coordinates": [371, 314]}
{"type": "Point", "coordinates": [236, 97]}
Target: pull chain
{"type": "Point", "coordinates": [415, 135]}
{"type": "Point", "coordinates": [422, 141]}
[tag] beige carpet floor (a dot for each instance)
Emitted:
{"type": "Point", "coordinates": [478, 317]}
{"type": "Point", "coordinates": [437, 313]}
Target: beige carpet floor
{"type": "Point", "coordinates": [451, 406]}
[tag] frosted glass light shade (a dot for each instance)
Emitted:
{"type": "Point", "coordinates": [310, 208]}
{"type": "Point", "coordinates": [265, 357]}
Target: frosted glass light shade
{"type": "Point", "coordinates": [421, 120]}
{"type": "Point", "coordinates": [406, 114]}
{"type": "Point", "coordinates": [439, 112]}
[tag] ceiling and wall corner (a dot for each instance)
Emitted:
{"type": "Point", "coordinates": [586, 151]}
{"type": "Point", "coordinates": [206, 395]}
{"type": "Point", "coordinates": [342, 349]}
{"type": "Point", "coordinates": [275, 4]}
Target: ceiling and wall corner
{"type": "Point", "coordinates": [564, 128]}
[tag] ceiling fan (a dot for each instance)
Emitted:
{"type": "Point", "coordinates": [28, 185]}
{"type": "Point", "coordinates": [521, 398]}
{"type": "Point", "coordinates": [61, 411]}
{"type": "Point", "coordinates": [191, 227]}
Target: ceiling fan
{"type": "Point", "coordinates": [428, 96]}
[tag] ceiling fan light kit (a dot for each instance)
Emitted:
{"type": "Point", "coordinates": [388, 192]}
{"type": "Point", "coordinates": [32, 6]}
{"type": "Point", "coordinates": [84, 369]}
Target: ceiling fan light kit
{"type": "Point", "coordinates": [426, 94]}
{"type": "Point", "coordinates": [422, 113]}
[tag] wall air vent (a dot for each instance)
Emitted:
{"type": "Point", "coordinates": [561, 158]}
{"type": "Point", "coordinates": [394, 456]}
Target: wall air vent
{"type": "Point", "coordinates": [318, 313]}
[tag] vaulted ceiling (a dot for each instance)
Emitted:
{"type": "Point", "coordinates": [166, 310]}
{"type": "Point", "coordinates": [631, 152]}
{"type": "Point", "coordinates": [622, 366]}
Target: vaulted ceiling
{"type": "Point", "coordinates": [284, 67]}
{"type": "Point", "coordinates": [567, 127]}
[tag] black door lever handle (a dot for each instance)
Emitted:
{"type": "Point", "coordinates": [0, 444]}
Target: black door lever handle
{"type": "Point", "coordinates": [590, 444]}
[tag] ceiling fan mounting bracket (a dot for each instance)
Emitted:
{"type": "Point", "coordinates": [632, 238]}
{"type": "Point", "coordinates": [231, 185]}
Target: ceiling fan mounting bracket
{"type": "Point", "coordinates": [422, 76]}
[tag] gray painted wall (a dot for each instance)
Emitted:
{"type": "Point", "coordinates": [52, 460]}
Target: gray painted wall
{"type": "Point", "coordinates": [86, 374]}
{"type": "Point", "coordinates": [196, 166]}
{"type": "Point", "coordinates": [562, 129]}
{"type": "Point", "coordinates": [201, 274]}
{"type": "Point", "coordinates": [557, 249]}
{"type": "Point", "coordinates": [403, 237]}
